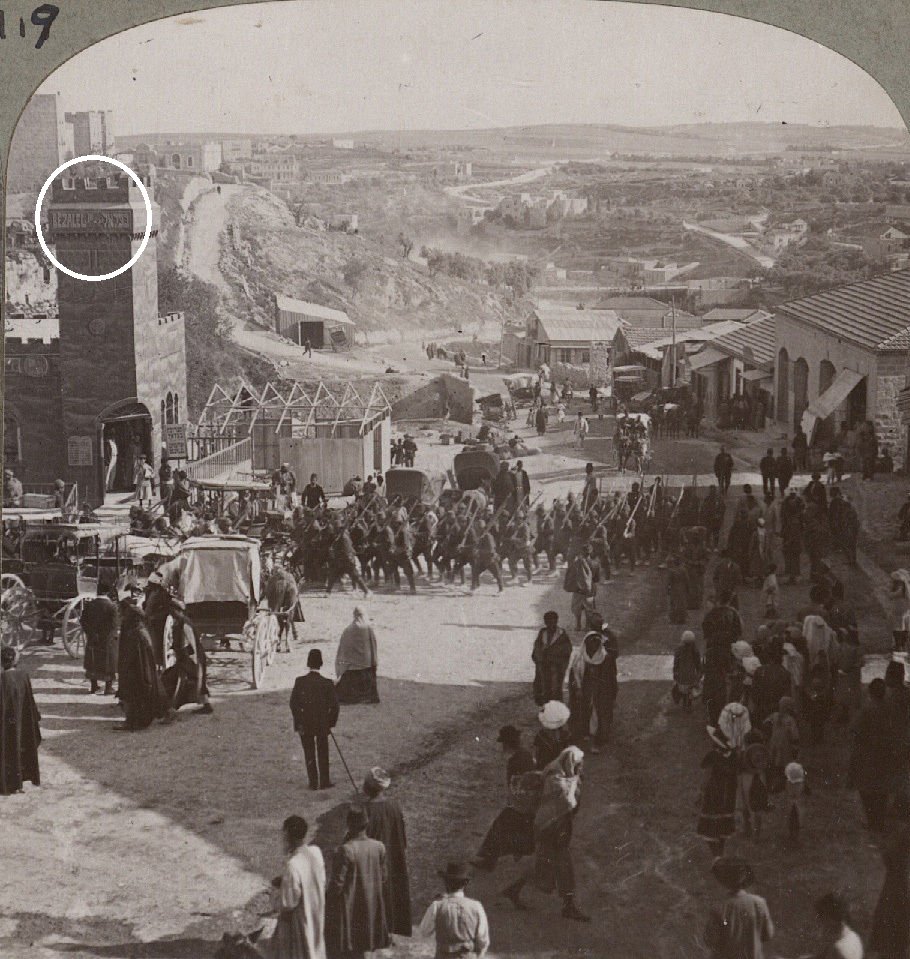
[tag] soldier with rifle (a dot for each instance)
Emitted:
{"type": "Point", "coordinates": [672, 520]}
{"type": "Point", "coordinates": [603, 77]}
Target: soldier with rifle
{"type": "Point", "coordinates": [404, 546]}
{"type": "Point", "coordinates": [343, 560]}
{"type": "Point", "coordinates": [485, 556]}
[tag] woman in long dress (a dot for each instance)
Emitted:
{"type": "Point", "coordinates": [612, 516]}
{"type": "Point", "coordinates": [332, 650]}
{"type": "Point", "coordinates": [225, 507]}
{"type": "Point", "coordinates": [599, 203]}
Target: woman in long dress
{"type": "Point", "coordinates": [300, 895]}
{"type": "Point", "coordinates": [356, 663]}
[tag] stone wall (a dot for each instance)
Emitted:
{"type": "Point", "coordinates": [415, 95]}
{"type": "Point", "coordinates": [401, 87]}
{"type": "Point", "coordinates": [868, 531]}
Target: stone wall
{"type": "Point", "coordinates": [430, 400]}
{"type": "Point", "coordinates": [892, 378]}
{"type": "Point", "coordinates": [32, 407]}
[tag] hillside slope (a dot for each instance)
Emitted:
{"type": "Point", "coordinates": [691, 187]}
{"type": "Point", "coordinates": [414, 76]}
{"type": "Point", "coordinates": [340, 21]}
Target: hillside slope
{"type": "Point", "coordinates": [388, 297]}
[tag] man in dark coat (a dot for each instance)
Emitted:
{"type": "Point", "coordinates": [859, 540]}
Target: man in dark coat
{"type": "Point", "coordinates": [385, 822]}
{"type": "Point", "coordinates": [723, 470]}
{"type": "Point", "coordinates": [551, 654]}
{"type": "Point", "coordinates": [721, 627]}
{"type": "Point", "coordinates": [767, 467]}
{"type": "Point", "coordinates": [355, 905]}
{"type": "Point", "coordinates": [314, 707]}
{"type": "Point", "coordinates": [139, 689]}
{"type": "Point", "coordinates": [20, 734]}
{"type": "Point", "coordinates": [874, 759]}
{"type": "Point", "coordinates": [783, 470]}
{"type": "Point", "coordinates": [504, 487]}
{"type": "Point", "coordinates": [522, 483]}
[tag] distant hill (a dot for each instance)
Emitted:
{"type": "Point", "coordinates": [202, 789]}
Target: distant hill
{"type": "Point", "coordinates": [590, 141]}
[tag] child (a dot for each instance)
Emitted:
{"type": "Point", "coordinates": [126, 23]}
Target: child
{"type": "Point", "coordinates": [755, 762]}
{"type": "Point", "coordinates": [561, 412]}
{"type": "Point", "coordinates": [769, 592]}
{"type": "Point", "coordinates": [687, 670]}
{"type": "Point", "coordinates": [795, 788]}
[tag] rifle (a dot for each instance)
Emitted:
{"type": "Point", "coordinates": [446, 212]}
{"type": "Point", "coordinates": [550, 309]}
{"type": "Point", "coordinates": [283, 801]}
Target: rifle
{"type": "Point", "coordinates": [348, 523]}
{"type": "Point", "coordinates": [632, 515]}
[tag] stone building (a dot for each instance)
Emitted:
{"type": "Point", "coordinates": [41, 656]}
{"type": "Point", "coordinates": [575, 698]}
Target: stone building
{"type": "Point", "coordinates": [41, 142]}
{"type": "Point", "coordinates": [93, 132]}
{"type": "Point", "coordinates": [85, 403]}
{"type": "Point", "coordinates": [843, 356]}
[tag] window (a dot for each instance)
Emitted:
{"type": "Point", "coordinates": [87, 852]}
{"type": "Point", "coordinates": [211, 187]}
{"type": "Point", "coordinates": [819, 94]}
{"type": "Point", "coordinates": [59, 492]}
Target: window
{"type": "Point", "coordinates": [12, 449]}
{"type": "Point", "coordinates": [189, 161]}
{"type": "Point", "coordinates": [176, 408]}
{"type": "Point", "coordinates": [90, 183]}
{"type": "Point", "coordinates": [169, 408]}
{"type": "Point", "coordinates": [585, 356]}
{"type": "Point", "coordinates": [163, 416]}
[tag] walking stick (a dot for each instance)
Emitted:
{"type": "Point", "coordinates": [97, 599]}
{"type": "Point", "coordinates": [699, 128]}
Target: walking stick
{"type": "Point", "coordinates": [343, 761]}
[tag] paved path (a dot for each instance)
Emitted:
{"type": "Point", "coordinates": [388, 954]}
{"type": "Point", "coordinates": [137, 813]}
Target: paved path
{"type": "Point", "coordinates": [737, 242]}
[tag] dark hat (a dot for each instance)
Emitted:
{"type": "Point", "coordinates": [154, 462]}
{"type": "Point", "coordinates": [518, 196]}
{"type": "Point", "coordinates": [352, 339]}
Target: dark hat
{"type": "Point", "coordinates": [732, 872]}
{"type": "Point", "coordinates": [455, 872]}
{"type": "Point", "coordinates": [314, 659]}
{"type": "Point", "coordinates": [509, 736]}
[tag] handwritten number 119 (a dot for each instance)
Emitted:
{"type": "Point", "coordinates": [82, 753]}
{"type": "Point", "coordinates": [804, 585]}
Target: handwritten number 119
{"type": "Point", "coordinates": [42, 16]}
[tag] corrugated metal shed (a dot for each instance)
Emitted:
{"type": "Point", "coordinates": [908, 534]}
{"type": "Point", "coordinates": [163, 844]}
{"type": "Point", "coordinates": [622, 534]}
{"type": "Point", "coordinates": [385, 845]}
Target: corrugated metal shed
{"type": "Point", "coordinates": [287, 304]}
{"type": "Point", "coordinates": [705, 334]}
{"type": "Point", "coordinates": [570, 325]}
{"type": "Point", "coordinates": [874, 314]}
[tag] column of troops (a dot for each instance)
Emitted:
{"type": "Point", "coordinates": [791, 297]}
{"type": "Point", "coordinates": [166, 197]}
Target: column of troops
{"type": "Point", "coordinates": [377, 542]}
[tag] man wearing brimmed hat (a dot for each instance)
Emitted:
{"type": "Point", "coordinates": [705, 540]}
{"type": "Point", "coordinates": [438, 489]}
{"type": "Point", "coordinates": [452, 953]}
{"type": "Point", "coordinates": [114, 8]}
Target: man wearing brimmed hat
{"type": "Point", "coordinates": [459, 924]}
{"type": "Point", "coordinates": [741, 925]}
{"type": "Point", "coordinates": [385, 822]}
{"type": "Point", "coordinates": [314, 707]}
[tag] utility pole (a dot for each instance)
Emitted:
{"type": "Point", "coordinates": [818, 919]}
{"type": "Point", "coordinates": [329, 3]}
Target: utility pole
{"type": "Point", "coordinates": [673, 347]}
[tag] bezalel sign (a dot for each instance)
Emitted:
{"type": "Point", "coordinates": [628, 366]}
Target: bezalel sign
{"type": "Point", "coordinates": [79, 451]}
{"type": "Point", "coordinates": [101, 220]}
{"type": "Point", "coordinates": [175, 440]}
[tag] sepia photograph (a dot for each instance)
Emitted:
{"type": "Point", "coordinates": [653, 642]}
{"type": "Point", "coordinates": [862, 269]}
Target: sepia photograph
{"type": "Point", "coordinates": [455, 490]}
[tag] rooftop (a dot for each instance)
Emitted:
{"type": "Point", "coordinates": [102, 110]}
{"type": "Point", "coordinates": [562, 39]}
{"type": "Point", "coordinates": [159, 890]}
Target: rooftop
{"type": "Point", "coordinates": [741, 315]}
{"type": "Point", "coordinates": [704, 334]}
{"type": "Point", "coordinates": [289, 305]}
{"type": "Point", "coordinates": [874, 314]}
{"type": "Point", "coordinates": [753, 342]}
{"type": "Point", "coordinates": [567, 323]}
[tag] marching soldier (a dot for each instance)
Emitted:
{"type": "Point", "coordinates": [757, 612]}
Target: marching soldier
{"type": "Point", "coordinates": [343, 560]}
{"type": "Point", "coordinates": [521, 545]}
{"type": "Point", "coordinates": [485, 557]}
{"type": "Point", "coordinates": [404, 547]}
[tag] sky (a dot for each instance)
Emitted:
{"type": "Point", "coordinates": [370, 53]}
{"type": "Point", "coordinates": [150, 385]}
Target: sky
{"type": "Point", "coordinates": [329, 66]}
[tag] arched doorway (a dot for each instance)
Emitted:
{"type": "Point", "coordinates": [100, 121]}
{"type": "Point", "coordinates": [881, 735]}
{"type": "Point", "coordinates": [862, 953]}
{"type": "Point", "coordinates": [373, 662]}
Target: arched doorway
{"type": "Point", "coordinates": [827, 428]}
{"type": "Point", "coordinates": [800, 390]}
{"type": "Point", "coordinates": [783, 386]}
{"type": "Point", "coordinates": [126, 434]}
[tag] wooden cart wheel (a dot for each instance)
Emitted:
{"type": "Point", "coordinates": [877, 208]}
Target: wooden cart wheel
{"type": "Point", "coordinates": [265, 639]}
{"type": "Point", "coordinates": [71, 631]}
{"type": "Point", "coordinates": [19, 616]}
{"type": "Point", "coordinates": [167, 643]}
{"type": "Point", "coordinates": [274, 637]}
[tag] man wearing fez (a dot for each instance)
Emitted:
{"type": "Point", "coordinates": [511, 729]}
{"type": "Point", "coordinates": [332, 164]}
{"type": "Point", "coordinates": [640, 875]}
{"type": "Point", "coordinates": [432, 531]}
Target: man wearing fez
{"type": "Point", "coordinates": [314, 707]}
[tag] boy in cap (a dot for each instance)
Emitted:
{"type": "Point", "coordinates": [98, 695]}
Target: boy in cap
{"type": "Point", "coordinates": [314, 707]}
{"type": "Point", "coordinates": [458, 923]}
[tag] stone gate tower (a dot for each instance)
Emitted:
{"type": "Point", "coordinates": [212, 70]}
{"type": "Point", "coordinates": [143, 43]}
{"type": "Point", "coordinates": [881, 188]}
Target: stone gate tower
{"type": "Point", "coordinates": [122, 366]}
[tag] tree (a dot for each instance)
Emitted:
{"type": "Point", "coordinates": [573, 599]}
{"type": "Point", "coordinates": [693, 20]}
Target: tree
{"type": "Point", "coordinates": [354, 272]}
{"type": "Point", "coordinates": [407, 244]}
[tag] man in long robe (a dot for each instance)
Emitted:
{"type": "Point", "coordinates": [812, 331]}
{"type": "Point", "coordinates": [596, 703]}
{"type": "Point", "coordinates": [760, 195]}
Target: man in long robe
{"type": "Point", "coordinates": [356, 663]}
{"type": "Point", "coordinates": [551, 654]}
{"type": "Point", "coordinates": [385, 822]}
{"type": "Point", "coordinates": [21, 730]}
{"type": "Point", "coordinates": [140, 690]}
{"type": "Point", "coordinates": [355, 903]}
{"type": "Point", "coordinates": [101, 623]}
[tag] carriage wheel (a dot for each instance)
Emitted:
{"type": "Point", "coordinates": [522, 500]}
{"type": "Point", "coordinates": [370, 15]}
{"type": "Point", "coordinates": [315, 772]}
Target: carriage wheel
{"type": "Point", "coordinates": [71, 631]}
{"type": "Point", "coordinates": [274, 637]}
{"type": "Point", "coordinates": [168, 656]}
{"type": "Point", "coordinates": [19, 617]}
{"type": "Point", "coordinates": [265, 638]}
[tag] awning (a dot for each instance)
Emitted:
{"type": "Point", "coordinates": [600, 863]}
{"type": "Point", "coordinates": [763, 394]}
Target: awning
{"type": "Point", "coordinates": [706, 357]}
{"type": "Point", "coordinates": [756, 376]}
{"type": "Point", "coordinates": [831, 399]}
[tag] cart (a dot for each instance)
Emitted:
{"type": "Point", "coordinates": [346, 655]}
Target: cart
{"type": "Point", "coordinates": [218, 580]}
{"type": "Point", "coordinates": [59, 567]}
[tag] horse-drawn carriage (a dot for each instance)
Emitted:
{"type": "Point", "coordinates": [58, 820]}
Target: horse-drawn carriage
{"type": "Point", "coordinates": [59, 567]}
{"type": "Point", "coordinates": [218, 580]}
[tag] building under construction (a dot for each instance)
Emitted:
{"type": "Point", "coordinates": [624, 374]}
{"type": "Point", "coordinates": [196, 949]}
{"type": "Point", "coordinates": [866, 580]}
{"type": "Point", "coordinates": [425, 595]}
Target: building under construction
{"type": "Point", "coordinates": [331, 431]}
